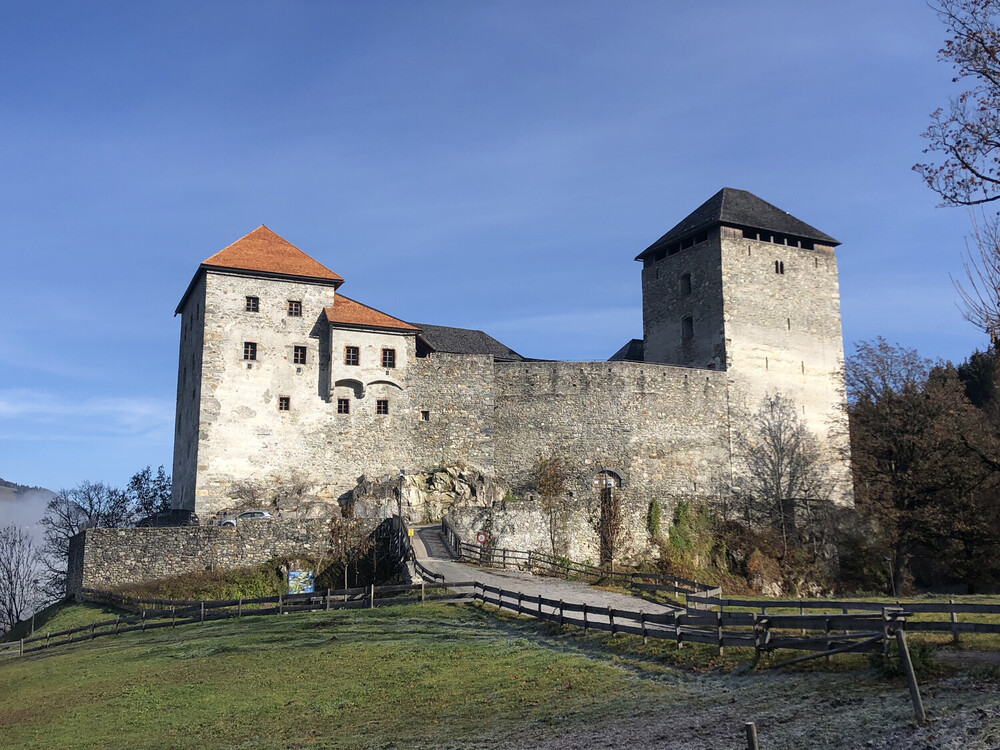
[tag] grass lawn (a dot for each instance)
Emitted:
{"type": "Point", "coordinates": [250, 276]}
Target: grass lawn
{"type": "Point", "coordinates": [447, 675]}
{"type": "Point", "coordinates": [430, 673]}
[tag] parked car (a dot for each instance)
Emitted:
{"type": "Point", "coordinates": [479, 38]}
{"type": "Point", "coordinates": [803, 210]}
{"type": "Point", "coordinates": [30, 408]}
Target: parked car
{"type": "Point", "coordinates": [170, 517]}
{"type": "Point", "coordinates": [247, 515]}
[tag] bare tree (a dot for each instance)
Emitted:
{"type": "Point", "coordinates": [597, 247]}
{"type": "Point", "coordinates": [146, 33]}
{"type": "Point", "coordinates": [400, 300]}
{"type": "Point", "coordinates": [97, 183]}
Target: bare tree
{"type": "Point", "coordinates": [607, 517]}
{"type": "Point", "coordinates": [781, 478]}
{"type": "Point", "coordinates": [967, 132]}
{"type": "Point", "coordinates": [20, 575]}
{"type": "Point", "coordinates": [350, 540]}
{"type": "Point", "coordinates": [88, 505]}
{"type": "Point", "coordinates": [979, 294]}
{"type": "Point", "coordinates": [549, 476]}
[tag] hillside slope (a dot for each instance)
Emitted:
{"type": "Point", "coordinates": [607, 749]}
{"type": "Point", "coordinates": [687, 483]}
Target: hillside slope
{"type": "Point", "coordinates": [437, 675]}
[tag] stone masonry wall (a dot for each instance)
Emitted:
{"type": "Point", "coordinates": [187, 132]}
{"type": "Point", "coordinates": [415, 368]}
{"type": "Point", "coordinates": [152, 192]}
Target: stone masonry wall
{"type": "Point", "coordinates": [112, 558]}
{"type": "Point", "coordinates": [663, 430]}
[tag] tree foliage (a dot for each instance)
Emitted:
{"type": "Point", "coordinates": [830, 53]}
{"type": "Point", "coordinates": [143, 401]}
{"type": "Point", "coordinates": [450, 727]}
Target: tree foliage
{"type": "Point", "coordinates": [965, 135]}
{"type": "Point", "coordinates": [922, 457]}
{"type": "Point", "coordinates": [149, 493]}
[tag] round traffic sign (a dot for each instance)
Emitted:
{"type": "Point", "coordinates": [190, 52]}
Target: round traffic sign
{"type": "Point", "coordinates": [481, 538]}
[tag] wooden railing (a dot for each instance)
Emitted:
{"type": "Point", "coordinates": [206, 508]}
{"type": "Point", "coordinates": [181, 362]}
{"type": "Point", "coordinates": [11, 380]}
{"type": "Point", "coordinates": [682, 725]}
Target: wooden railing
{"type": "Point", "coordinates": [546, 564]}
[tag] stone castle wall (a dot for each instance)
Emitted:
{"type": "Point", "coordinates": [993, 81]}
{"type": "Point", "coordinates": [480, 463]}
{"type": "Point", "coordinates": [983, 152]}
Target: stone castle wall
{"type": "Point", "coordinates": [663, 430]}
{"type": "Point", "coordinates": [112, 558]}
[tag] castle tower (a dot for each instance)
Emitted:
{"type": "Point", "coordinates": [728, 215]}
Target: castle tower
{"type": "Point", "coordinates": [741, 285]}
{"type": "Point", "coordinates": [249, 353]}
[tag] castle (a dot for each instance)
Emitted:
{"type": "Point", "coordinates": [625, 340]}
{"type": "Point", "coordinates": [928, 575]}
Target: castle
{"type": "Point", "coordinates": [280, 372]}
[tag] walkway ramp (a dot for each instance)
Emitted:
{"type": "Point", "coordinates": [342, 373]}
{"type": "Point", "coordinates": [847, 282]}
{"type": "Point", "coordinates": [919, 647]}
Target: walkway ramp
{"type": "Point", "coordinates": [431, 551]}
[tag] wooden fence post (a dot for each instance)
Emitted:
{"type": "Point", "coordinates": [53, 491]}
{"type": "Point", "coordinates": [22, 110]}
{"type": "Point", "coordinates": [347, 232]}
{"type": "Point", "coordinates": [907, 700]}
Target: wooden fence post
{"type": "Point", "coordinates": [46, 640]}
{"type": "Point", "coordinates": [143, 621]}
{"type": "Point", "coordinates": [561, 613]}
{"type": "Point", "coordinates": [611, 619]}
{"type": "Point", "coordinates": [585, 617]}
{"type": "Point", "coordinates": [173, 617]}
{"type": "Point", "coordinates": [752, 736]}
{"type": "Point", "coordinates": [373, 597]}
{"type": "Point", "coordinates": [802, 611]}
{"type": "Point", "coordinates": [505, 558]}
{"type": "Point", "coordinates": [911, 677]}
{"type": "Point", "coordinates": [117, 624]}
{"type": "Point", "coordinates": [539, 606]}
{"type": "Point", "coordinates": [239, 608]}
{"type": "Point", "coordinates": [719, 614]}
{"type": "Point", "coordinates": [954, 620]}
{"type": "Point", "coordinates": [677, 629]}
{"type": "Point", "coordinates": [529, 561]}
{"type": "Point", "coordinates": [327, 602]}
{"type": "Point", "coordinates": [20, 647]}
{"type": "Point", "coordinates": [281, 604]}
{"type": "Point", "coordinates": [423, 593]}
{"type": "Point", "coordinates": [203, 612]}
{"type": "Point", "coordinates": [642, 623]}
{"type": "Point", "coordinates": [826, 632]}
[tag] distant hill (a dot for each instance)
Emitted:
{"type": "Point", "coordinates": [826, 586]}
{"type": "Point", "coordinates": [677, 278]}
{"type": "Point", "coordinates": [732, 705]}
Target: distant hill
{"type": "Point", "coordinates": [13, 490]}
{"type": "Point", "coordinates": [23, 505]}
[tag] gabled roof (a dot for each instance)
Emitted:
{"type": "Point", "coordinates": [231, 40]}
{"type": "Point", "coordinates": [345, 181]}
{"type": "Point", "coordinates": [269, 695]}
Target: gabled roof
{"type": "Point", "coordinates": [738, 208]}
{"type": "Point", "coordinates": [345, 311]}
{"type": "Point", "coordinates": [631, 352]}
{"type": "Point", "coordinates": [465, 341]}
{"type": "Point", "coordinates": [263, 250]}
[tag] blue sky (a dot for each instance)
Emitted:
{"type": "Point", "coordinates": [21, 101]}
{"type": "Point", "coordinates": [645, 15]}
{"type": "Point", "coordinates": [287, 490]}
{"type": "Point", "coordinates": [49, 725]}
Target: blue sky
{"type": "Point", "coordinates": [494, 165]}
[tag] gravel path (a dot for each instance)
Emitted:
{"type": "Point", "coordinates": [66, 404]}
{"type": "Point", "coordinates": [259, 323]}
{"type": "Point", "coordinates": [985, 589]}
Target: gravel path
{"type": "Point", "coordinates": [430, 550]}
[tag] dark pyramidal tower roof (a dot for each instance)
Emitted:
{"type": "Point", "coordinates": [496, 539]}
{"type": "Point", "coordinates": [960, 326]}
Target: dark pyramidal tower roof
{"type": "Point", "coordinates": [738, 208]}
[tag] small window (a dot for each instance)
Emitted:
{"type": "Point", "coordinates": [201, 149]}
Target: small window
{"type": "Point", "coordinates": [425, 416]}
{"type": "Point", "coordinates": [343, 406]}
{"type": "Point", "coordinates": [779, 266]}
{"type": "Point", "coordinates": [249, 350]}
{"type": "Point", "coordinates": [284, 403]}
{"type": "Point", "coordinates": [388, 358]}
{"type": "Point", "coordinates": [299, 355]}
{"type": "Point", "coordinates": [687, 328]}
{"type": "Point", "coordinates": [382, 406]}
{"type": "Point", "coordinates": [352, 355]}
{"type": "Point", "coordinates": [253, 304]}
{"type": "Point", "coordinates": [294, 308]}
{"type": "Point", "coordinates": [685, 284]}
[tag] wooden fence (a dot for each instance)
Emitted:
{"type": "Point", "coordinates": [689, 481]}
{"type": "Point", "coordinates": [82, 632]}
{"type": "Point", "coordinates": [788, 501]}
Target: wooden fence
{"type": "Point", "coordinates": [151, 614]}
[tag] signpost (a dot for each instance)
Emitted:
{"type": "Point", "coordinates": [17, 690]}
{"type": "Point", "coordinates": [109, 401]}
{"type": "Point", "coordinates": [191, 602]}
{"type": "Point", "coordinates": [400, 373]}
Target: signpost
{"type": "Point", "coordinates": [300, 581]}
{"type": "Point", "coordinates": [481, 538]}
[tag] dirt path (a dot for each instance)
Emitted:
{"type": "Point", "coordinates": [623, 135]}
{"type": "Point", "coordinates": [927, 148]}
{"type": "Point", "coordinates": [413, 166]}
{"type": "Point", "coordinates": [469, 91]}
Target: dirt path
{"type": "Point", "coordinates": [430, 550]}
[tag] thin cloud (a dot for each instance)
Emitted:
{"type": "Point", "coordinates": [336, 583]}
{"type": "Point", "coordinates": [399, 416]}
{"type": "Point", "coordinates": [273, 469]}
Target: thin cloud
{"type": "Point", "coordinates": [29, 412]}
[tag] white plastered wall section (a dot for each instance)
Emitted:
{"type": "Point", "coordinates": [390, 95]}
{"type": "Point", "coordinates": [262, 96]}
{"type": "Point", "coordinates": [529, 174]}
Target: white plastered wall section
{"type": "Point", "coordinates": [368, 382]}
{"type": "Point", "coordinates": [243, 434]}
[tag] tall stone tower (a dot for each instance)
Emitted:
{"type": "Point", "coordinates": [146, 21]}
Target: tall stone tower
{"type": "Point", "coordinates": [741, 285]}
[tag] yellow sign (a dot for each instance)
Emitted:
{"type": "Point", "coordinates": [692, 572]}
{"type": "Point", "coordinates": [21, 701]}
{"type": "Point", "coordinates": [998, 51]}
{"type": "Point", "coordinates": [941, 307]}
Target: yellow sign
{"type": "Point", "coordinates": [409, 532]}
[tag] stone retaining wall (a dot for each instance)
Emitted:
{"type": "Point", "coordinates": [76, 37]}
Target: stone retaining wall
{"type": "Point", "coordinates": [112, 558]}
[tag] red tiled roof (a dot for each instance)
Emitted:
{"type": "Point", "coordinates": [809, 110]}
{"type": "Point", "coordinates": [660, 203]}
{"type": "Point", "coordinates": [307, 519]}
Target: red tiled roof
{"type": "Point", "coordinates": [347, 311]}
{"type": "Point", "coordinates": [263, 250]}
